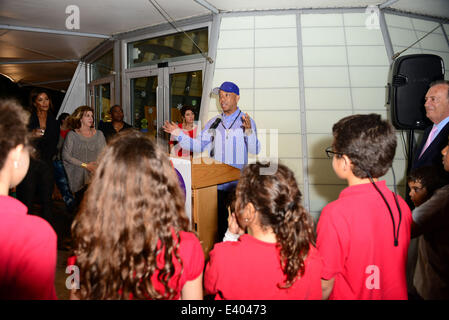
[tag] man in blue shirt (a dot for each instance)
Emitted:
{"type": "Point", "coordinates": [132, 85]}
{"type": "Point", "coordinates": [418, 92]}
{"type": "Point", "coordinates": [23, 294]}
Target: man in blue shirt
{"type": "Point", "coordinates": [228, 138]}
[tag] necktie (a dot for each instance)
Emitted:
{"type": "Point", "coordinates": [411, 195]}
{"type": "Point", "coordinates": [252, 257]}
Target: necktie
{"type": "Point", "coordinates": [429, 140]}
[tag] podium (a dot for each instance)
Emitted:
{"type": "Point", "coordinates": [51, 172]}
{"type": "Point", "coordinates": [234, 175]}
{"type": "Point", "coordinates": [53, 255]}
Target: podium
{"type": "Point", "coordinates": [204, 177]}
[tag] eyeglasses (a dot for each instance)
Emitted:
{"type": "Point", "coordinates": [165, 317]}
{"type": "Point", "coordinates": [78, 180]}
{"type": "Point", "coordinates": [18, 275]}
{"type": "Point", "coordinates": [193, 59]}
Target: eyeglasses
{"type": "Point", "coordinates": [330, 153]}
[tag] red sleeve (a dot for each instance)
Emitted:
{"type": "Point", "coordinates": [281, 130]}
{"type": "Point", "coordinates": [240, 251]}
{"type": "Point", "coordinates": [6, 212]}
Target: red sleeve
{"type": "Point", "coordinates": [332, 242]}
{"type": "Point", "coordinates": [212, 272]}
{"type": "Point", "coordinates": [192, 256]}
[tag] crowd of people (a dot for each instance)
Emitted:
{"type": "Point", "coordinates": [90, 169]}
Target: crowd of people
{"type": "Point", "coordinates": [132, 238]}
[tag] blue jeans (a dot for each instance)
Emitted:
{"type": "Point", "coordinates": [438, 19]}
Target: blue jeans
{"type": "Point", "coordinates": [63, 184]}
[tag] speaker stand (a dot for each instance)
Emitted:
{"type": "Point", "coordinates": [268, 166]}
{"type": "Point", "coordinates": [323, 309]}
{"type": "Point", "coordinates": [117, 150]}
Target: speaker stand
{"type": "Point", "coordinates": [410, 142]}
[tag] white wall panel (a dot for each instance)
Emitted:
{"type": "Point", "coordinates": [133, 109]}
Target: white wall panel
{"type": "Point", "coordinates": [317, 144]}
{"type": "Point", "coordinates": [284, 121]}
{"type": "Point", "coordinates": [235, 58]}
{"type": "Point", "coordinates": [273, 99]}
{"type": "Point", "coordinates": [369, 98]}
{"type": "Point", "coordinates": [285, 37]}
{"type": "Point", "coordinates": [276, 57]}
{"type": "Point", "coordinates": [321, 20]}
{"type": "Point", "coordinates": [328, 98]}
{"type": "Point", "coordinates": [363, 36]}
{"type": "Point", "coordinates": [313, 56]}
{"type": "Point", "coordinates": [369, 76]}
{"type": "Point", "coordinates": [275, 21]}
{"type": "Point", "coordinates": [236, 39]}
{"type": "Point", "coordinates": [242, 22]}
{"type": "Point", "coordinates": [326, 77]}
{"type": "Point", "coordinates": [368, 55]}
{"type": "Point", "coordinates": [244, 78]}
{"type": "Point", "coordinates": [276, 77]}
{"type": "Point", "coordinates": [322, 121]}
{"type": "Point", "coordinates": [323, 36]}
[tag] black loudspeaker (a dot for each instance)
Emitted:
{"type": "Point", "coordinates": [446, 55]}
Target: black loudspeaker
{"type": "Point", "coordinates": [409, 81]}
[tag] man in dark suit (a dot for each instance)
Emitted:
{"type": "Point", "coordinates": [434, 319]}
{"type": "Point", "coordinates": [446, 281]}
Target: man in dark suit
{"type": "Point", "coordinates": [435, 136]}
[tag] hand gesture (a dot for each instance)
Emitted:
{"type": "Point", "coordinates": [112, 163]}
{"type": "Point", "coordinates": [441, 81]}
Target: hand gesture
{"type": "Point", "coordinates": [172, 128]}
{"type": "Point", "coordinates": [246, 121]}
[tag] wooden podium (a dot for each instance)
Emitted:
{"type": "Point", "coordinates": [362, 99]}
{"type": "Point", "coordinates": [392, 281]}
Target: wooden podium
{"type": "Point", "coordinates": [205, 177]}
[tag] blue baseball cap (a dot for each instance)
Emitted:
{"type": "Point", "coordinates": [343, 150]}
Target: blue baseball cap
{"type": "Point", "coordinates": [227, 87]}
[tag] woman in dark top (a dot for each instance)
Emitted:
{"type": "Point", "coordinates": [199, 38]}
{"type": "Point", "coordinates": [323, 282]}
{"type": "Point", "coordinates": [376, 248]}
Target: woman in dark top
{"type": "Point", "coordinates": [45, 135]}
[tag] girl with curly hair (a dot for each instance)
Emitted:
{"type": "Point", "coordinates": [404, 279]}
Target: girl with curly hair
{"type": "Point", "coordinates": [277, 258]}
{"type": "Point", "coordinates": [131, 236]}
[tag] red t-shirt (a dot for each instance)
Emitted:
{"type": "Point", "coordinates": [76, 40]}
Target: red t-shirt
{"type": "Point", "coordinates": [192, 256]}
{"type": "Point", "coordinates": [355, 239]}
{"type": "Point", "coordinates": [63, 133]}
{"type": "Point", "coordinates": [27, 254]}
{"type": "Point", "coordinates": [191, 133]}
{"type": "Point", "coordinates": [250, 269]}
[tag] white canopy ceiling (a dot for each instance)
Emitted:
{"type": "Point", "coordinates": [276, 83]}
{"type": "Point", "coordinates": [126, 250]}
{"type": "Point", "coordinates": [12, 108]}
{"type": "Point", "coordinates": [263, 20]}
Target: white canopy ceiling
{"type": "Point", "coordinates": [111, 17]}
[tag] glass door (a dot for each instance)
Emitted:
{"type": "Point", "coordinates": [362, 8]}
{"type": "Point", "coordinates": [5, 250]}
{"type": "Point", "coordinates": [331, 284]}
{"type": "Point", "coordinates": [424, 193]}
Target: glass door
{"type": "Point", "coordinates": [158, 94]}
{"type": "Point", "coordinates": [186, 89]}
{"type": "Point", "coordinates": [143, 92]}
{"type": "Point", "coordinates": [102, 99]}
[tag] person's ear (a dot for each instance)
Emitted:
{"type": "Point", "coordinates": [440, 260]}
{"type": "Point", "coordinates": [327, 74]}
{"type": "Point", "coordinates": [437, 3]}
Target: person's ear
{"type": "Point", "coordinates": [17, 152]}
{"type": "Point", "coordinates": [249, 213]}
{"type": "Point", "coordinates": [237, 98]}
{"type": "Point", "coordinates": [347, 164]}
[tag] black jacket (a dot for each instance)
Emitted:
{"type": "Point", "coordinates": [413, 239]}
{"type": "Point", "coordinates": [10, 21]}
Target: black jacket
{"type": "Point", "coordinates": [432, 156]}
{"type": "Point", "coordinates": [46, 145]}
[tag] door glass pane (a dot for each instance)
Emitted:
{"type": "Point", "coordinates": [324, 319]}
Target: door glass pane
{"type": "Point", "coordinates": [186, 88]}
{"type": "Point", "coordinates": [102, 98]}
{"type": "Point", "coordinates": [167, 48]}
{"type": "Point", "coordinates": [143, 104]}
{"type": "Point", "coordinates": [103, 66]}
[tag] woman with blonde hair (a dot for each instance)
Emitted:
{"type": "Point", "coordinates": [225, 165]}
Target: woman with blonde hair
{"type": "Point", "coordinates": [28, 243]}
{"type": "Point", "coordinates": [81, 148]}
{"type": "Point", "coordinates": [131, 234]}
{"type": "Point", "coordinates": [277, 258]}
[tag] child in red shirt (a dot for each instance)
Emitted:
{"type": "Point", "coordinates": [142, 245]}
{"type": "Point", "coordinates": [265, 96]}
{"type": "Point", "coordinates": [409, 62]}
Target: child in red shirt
{"type": "Point", "coordinates": [277, 258]}
{"type": "Point", "coordinates": [363, 236]}
{"type": "Point", "coordinates": [131, 234]}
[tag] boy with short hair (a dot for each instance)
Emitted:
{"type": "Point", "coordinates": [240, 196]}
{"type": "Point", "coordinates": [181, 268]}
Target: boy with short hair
{"type": "Point", "coordinates": [363, 236]}
{"type": "Point", "coordinates": [422, 182]}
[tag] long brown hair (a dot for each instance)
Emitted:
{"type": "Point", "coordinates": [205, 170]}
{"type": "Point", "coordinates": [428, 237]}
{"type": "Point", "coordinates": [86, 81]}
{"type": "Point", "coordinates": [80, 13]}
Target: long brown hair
{"type": "Point", "coordinates": [132, 213]}
{"type": "Point", "coordinates": [278, 200]}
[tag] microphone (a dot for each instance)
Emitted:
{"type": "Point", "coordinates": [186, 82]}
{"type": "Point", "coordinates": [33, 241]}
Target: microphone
{"type": "Point", "coordinates": [212, 138]}
{"type": "Point", "coordinates": [215, 124]}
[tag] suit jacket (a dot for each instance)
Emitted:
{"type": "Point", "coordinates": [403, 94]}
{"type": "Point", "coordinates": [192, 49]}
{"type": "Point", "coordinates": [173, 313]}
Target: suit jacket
{"type": "Point", "coordinates": [432, 156]}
